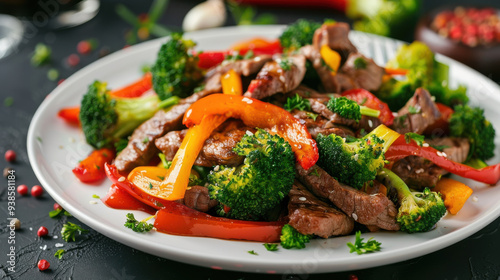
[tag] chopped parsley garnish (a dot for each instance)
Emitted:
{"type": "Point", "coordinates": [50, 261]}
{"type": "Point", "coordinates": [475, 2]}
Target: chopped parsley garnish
{"type": "Point", "coordinates": [253, 253]}
{"type": "Point", "coordinates": [161, 177]}
{"type": "Point", "coordinates": [440, 147]}
{"type": "Point", "coordinates": [414, 110]}
{"type": "Point", "coordinates": [69, 231]}
{"type": "Point", "coordinates": [271, 246]}
{"type": "Point", "coordinates": [150, 186]}
{"type": "Point", "coordinates": [96, 196]}
{"type": "Point", "coordinates": [41, 55]}
{"type": "Point", "coordinates": [298, 103]}
{"type": "Point", "coordinates": [315, 172]}
{"type": "Point", "coordinates": [8, 101]}
{"type": "Point", "coordinates": [57, 212]}
{"type": "Point", "coordinates": [248, 55]}
{"type": "Point", "coordinates": [145, 140]}
{"type": "Point", "coordinates": [361, 247]}
{"type": "Point", "coordinates": [419, 139]}
{"type": "Point", "coordinates": [360, 63]}
{"type": "Point", "coordinates": [138, 226]}
{"type": "Point", "coordinates": [59, 253]}
{"type": "Point", "coordinates": [120, 145]}
{"type": "Point", "coordinates": [164, 161]}
{"type": "Point", "coordinates": [286, 64]}
{"type": "Point", "coordinates": [312, 115]}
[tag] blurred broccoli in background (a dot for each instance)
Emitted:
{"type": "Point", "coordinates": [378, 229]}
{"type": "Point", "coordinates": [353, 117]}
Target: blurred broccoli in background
{"type": "Point", "coordinates": [423, 71]}
{"type": "Point", "coordinates": [391, 18]}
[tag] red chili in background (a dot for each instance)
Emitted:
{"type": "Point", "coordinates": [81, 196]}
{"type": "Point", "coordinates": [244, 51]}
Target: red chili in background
{"type": "Point", "coordinates": [91, 169]}
{"type": "Point", "coordinates": [366, 98]}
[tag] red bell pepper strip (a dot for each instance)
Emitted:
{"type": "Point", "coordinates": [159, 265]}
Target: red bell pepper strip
{"type": "Point", "coordinates": [339, 5]}
{"type": "Point", "coordinates": [400, 149]}
{"type": "Point", "coordinates": [179, 219]}
{"type": "Point", "coordinates": [71, 115]}
{"type": "Point", "coordinates": [135, 89]}
{"type": "Point", "coordinates": [210, 59]}
{"type": "Point", "coordinates": [120, 199]}
{"type": "Point", "coordinates": [366, 98]}
{"type": "Point", "coordinates": [256, 113]}
{"type": "Point", "coordinates": [91, 169]}
{"type": "Point", "coordinates": [124, 184]}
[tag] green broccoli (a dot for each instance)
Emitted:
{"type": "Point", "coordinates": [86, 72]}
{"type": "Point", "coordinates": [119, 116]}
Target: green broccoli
{"type": "Point", "coordinates": [349, 109]}
{"type": "Point", "coordinates": [176, 72]}
{"type": "Point", "coordinates": [470, 123]}
{"type": "Point", "coordinates": [357, 162]}
{"type": "Point", "coordinates": [291, 238]}
{"type": "Point", "coordinates": [389, 18]}
{"type": "Point", "coordinates": [418, 211]}
{"type": "Point", "coordinates": [298, 34]}
{"type": "Point", "coordinates": [260, 183]}
{"type": "Point", "coordinates": [423, 71]}
{"type": "Point", "coordinates": [106, 119]}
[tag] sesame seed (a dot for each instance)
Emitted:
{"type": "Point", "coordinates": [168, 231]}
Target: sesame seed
{"type": "Point", "coordinates": [92, 202]}
{"type": "Point", "coordinates": [302, 198]}
{"type": "Point", "coordinates": [55, 237]}
{"type": "Point", "coordinates": [356, 157]}
{"type": "Point", "coordinates": [354, 216]}
{"type": "Point", "coordinates": [475, 199]}
{"type": "Point", "coordinates": [58, 245]}
{"type": "Point", "coordinates": [71, 140]}
{"type": "Point", "coordinates": [217, 168]}
{"type": "Point", "coordinates": [121, 179]}
{"type": "Point", "coordinates": [370, 123]}
{"type": "Point", "coordinates": [409, 167]}
{"type": "Point", "coordinates": [418, 171]}
{"type": "Point", "coordinates": [249, 133]}
{"type": "Point", "coordinates": [247, 100]}
{"type": "Point", "coordinates": [425, 145]}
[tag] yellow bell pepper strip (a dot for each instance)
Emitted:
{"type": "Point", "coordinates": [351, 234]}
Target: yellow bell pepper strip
{"type": "Point", "coordinates": [176, 180]}
{"type": "Point", "coordinates": [331, 58]}
{"type": "Point", "coordinates": [400, 149]}
{"type": "Point", "coordinates": [231, 83]}
{"type": "Point", "coordinates": [256, 113]}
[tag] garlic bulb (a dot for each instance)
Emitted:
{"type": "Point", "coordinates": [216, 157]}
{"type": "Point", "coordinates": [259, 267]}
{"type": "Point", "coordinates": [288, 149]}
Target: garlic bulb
{"type": "Point", "coordinates": [211, 13]}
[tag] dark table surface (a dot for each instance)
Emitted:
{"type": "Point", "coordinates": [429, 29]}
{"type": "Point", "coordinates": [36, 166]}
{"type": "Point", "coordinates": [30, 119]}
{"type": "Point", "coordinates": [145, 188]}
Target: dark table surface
{"type": "Point", "coordinates": [97, 257]}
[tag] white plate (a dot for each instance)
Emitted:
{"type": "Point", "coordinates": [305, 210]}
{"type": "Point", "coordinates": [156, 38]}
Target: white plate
{"type": "Point", "coordinates": [54, 149]}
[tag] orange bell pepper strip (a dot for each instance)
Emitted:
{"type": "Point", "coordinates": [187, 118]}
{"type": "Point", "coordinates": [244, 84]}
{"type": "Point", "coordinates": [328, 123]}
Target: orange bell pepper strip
{"type": "Point", "coordinates": [176, 180]}
{"type": "Point", "coordinates": [136, 89]}
{"type": "Point", "coordinates": [71, 115]}
{"type": "Point", "coordinates": [256, 113]}
{"type": "Point", "coordinates": [331, 58]}
{"type": "Point", "coordinates": [178, 219]}
{"type": "Point", "coordinates": [454, 193]}
{"type": "Point", "coordinates": [396, 71]}
{"type": "Point", "coordinates": [91, 169]}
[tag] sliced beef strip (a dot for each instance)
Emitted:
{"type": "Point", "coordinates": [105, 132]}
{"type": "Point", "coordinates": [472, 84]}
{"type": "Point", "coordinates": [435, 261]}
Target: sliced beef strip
{"type": "Point", "coordinates": [369, 76]}
{"type": "Point", "coordinates": [273, 79]}
{"type": "Point", "coordinates": [456, 149]}
{"type": "Point", "coordinates": [309, 215]}
{"type": "Point", "coordinates": [322, 109]}
{"type": "Point", "coordinates": [371, 210]}
{"type": "Point", "coordinates": [335, 83]}
{"type": "Point", "coordinates": [141, 148]}
{"type": "Point", "coordinates": [321, 125]}
{"type": "Point", "coordinates": [218, 148]}
{"type": "Point", "coordinates": [417, 172]}
{"type": "Point", "coordinates": [426, 113]}
{"type": "Point", "coordinates": [336, 36]}
{"type": "Point", "coordinates": [197, 198]}
{"type": "Point", "coordinates": [245, 67]}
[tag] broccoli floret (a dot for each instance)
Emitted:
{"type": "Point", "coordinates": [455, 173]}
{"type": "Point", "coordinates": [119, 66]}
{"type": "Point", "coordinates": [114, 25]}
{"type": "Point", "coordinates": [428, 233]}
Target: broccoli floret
{"type": "Point", "coordinates": [470, 123]}
{"type": "Point", "coordinates": [106, 119]}
{"type": "Point", "coordinates": [423, 71]}
{"type": "Point", "coordinates": [175, 72]}
{"type": "Point", "coordinates": [298, 34]}
{"type": "Point", "coordinates": [355, 163]}
{"type": "Point", "coordinates": [349, 109]}
{"type": "Point", "coordinates": [418, 211]}
{"type": "Point", "coordinates": [389, 18]}
{"type": "Point", "coordinates": [260, 183]}
{"type": "Point", "coordinates": [291, 238]}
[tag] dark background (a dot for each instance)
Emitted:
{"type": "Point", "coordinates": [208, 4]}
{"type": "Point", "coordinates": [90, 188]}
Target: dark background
{"type": "Point", "coordinates": [95, 256]}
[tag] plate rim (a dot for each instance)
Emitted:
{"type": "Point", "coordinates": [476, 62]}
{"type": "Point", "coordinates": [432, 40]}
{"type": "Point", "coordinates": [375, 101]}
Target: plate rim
{"type": "Point", "coordinates": [251, 265]}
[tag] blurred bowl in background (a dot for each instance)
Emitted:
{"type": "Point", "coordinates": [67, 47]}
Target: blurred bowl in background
{"type": "Point", "coordinates": [470, 35]}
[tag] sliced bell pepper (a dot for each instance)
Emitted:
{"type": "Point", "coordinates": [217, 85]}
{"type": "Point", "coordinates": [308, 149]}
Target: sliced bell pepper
{"type": "Point", "coordinates": [135, 191]}
{"type": "Point", "coordinates": [366, 98]}
{"type": "Point", "coordinates": [178, 219]}
{"type": "Point", "coordinates": [231, 83]}
{"type": "Point", "coordinates": [258, 46]}
{"type": "Point", "coordinates": [71, 115]}
{"type": "Point", "coordinates": [331, 58]}
{"type": "Point", "coordinates": [210, 59]}
{"type": "Point", "coordinates": [135, 89]}
{"type": "Point", "coordinates": [119, 199]}
{"type": "Point", "coordinates": [91, 169]}
{"type": "Point", "coordinates": [256, 113]}
{"type": "Point", "coordinates": [400, 149]}
{"type": "Point", "coordinates": [396, 71]}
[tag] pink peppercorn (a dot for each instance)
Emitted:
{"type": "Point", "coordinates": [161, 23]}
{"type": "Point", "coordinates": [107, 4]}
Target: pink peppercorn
{"type": "Point", "coordinates": [42, 231]}
{"type": "Point", "coordinates": [36, 191]}
{"type": "Point", "coordinates": [43, 265]}
{"type": "Point", "coordinates": [22, 189]}
{"type": "Point", "coordinates": [10, 156]}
